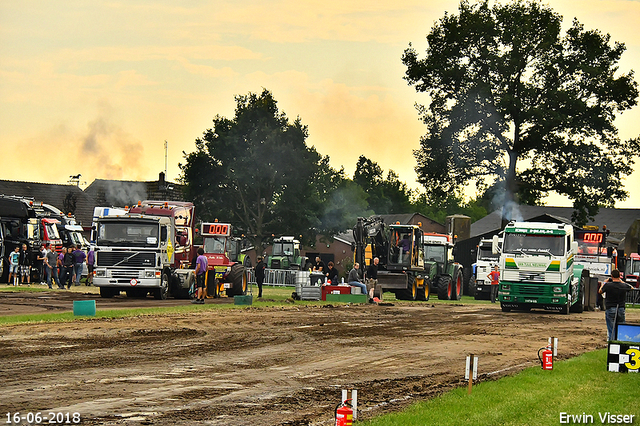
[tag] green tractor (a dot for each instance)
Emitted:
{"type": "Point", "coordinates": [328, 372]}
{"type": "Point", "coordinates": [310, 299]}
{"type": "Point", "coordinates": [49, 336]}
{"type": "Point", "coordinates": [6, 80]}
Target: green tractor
{"type": "Point", "coordinates": [286, 255]}
{"type": "Point", "coordinates": [443, 273]}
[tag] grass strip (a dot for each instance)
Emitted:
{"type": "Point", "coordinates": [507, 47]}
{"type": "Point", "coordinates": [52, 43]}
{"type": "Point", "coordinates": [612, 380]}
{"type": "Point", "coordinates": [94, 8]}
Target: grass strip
{"type": "Point", "coordinates": [579, 386]}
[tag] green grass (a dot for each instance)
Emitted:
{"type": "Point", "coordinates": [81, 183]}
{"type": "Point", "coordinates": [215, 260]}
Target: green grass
{"type": "Point", "coordinates": [532, 397]}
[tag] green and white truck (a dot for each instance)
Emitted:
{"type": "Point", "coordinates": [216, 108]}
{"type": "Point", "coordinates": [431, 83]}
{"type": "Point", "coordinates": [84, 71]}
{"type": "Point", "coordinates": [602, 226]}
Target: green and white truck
{"type": "Point", "coordinates": [537, 268]}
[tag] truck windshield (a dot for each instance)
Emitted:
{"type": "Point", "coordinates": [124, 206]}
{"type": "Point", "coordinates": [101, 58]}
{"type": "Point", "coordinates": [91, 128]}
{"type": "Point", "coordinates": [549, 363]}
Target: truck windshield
{"type": "Point", "coordinates": [214, 245]}
{"type": "Point", "coordinates": [51, 231]}
{"type": "Point", "coordinates": [282, 249]}
{"type": "Point", "coordinates": [128, 234]}
{"type": "Point", "coordinates": [633, 267]}
{"type": "Point", "coordinates": [485, 253]}
{"type": "Point", "coordinates": [534, 244]}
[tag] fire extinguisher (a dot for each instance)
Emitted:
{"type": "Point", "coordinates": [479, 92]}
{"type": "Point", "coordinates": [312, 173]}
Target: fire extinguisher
{"type": "Point", "coordinates": [344, 414]}
{"type": "Point", "coordinates": [546, 360]}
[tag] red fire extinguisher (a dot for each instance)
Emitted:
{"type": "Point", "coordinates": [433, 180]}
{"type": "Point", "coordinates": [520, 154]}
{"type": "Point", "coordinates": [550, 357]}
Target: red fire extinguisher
{"type": "Point", "coordinates": [546, 360]}
{"type": "Point", "coordinates": [344, 414]}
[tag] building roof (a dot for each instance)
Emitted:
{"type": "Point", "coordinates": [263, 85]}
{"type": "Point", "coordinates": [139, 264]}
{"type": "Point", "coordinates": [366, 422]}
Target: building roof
{"type": "Point", "coordinates": [618, 221]}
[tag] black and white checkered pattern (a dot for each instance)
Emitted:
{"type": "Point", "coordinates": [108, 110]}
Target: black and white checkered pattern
{"type": "Point", "coordinates": [617, 357]}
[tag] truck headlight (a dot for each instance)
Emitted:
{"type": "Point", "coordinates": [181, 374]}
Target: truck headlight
{"type": "Point", "coordinates": [506, 287]}
{"type": "Point", "coordinates": [101, 273]}
{"type": "Point", "coordinates": [557, 289]}
{"type": "Point", "coordinates": [149, 274]}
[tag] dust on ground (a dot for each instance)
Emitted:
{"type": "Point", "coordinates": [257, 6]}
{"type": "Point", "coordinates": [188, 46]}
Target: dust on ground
{"type": "Point", "coordinates": [265, 366]}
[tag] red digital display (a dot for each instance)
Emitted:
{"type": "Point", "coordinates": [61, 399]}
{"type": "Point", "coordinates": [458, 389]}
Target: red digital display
{"type": "Point", "coordinates": [216, 229]}
{"type": "Point", "coordinates": [591, 237]}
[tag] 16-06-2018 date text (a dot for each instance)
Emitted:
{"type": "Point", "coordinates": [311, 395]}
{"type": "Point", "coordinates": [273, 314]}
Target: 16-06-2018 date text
{"type": "Point", "coordinates": [45, 417]}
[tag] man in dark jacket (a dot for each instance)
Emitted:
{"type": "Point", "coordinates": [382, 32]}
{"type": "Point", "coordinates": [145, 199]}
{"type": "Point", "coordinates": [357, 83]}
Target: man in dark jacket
{"type": "Point", "coordinates": [68, 262]}
{"type": "Point", "coordinates": [25, 264]}
{"type": "Point", "coordinates": [615, 298]}
{"type": "Point", "coordinates": [260, 267]}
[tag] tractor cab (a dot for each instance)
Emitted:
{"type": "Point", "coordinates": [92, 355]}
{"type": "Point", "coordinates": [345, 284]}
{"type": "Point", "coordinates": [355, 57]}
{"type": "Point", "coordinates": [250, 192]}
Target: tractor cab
{"type": "Point", "coordinates": [405, 248]}
{"type": "Point", "coordinates": [438, 251]}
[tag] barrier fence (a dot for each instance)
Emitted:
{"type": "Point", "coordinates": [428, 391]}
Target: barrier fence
{"type": "Point", "coordinates": [280, 277]}
{"type": "Point", "coordinates": [633, 297]}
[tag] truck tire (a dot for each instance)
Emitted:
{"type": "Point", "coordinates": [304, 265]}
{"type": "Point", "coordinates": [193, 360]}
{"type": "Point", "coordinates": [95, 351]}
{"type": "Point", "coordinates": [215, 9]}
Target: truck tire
{"type": "Point", "coordinates": [471, 287]}
{"type": "Point", "coordinates": [238, 279]}
{"type": "Point", "coordinates": [578, 307]}
{"type": "Point", "coordinates": [162, 292]}
{"type": "Point", "coordinates": [457, 285]}
{"type": "Point", "coordinates": [108, 292]}
{"type": "Point", "coordinates": [445, 288]}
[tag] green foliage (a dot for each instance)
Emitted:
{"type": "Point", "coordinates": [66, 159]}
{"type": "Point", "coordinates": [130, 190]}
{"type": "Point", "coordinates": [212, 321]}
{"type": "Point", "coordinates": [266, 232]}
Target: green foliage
{"type": "Point", "coordinates": [513, 101]}
{"type": "Point", "coordinates": [533, 397]}
{"type": "Point", "coordinates": [384, 196]}
{"type": "Point", "coordinates": [256, 171]}
{"type": "Point", "coordinates": [438, 208]}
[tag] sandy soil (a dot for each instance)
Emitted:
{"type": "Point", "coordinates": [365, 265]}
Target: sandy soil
{"type": "Point", "coordinates": [264, 366]}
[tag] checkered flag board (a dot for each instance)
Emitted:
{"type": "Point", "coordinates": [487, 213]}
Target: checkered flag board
{"type": "Point", "coordinates": [623, 357]}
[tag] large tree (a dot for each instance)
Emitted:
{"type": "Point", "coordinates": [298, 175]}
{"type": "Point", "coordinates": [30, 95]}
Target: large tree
{"type": "Point", "coordinates": [384, 196]}
{"type": "Point", "coordinates": [256, 171]}
{"type": "Point", "coordinates": [513, 100]}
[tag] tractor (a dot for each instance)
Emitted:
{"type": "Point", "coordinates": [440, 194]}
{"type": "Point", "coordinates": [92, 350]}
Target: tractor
{"type": "Point", "coordinates": [286, 255]}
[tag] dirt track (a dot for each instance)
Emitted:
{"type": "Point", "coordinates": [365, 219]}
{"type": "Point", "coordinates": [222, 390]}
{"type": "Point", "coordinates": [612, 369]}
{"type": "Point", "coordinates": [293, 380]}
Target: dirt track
{"type": "Point", "coordinates": [267, 366]}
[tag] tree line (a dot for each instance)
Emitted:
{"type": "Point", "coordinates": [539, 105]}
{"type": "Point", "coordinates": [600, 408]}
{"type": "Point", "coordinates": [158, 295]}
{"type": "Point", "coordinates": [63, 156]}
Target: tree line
{"type": "Point", "coordinates": [516, 108]}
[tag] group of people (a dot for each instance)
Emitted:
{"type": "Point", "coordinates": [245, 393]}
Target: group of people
{"type": "Point", "coordinates": [64, 268]}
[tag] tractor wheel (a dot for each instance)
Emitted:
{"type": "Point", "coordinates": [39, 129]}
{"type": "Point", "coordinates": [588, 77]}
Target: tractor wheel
{"type": "Point", "coordinates": [445, 288]}
{"type": "Point", "coordinates": [457, 286]}
{"type": "Point", "coordinates": [578, 307]}
{"type": "Point", "coordinates": [162, 292]}
{"type": "Point", "coordinates": [212, 286]}
{"type": "Point", "coordinates": [471, 289]}
{"type": "Point", "coordinates": [423, 293]}
{"type": "Point", "coordinates": [411, 292]}
{"type": "Point", "coordinates": [247, 262]}
{"type": "Point", "coordinates": [238, 279]}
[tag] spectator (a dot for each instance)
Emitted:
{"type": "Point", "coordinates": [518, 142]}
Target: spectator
{"type": "Point", "coordinates": [260, 267]}
{"type": "Point", "coordinates": [68, 263]}
{"type": "Point", "coordinates": [319, 265]}
{"type": "Point", "coordinates": [494, 276]}
{"type": "Point", "coordinates": [201, 269]}
{"type": "Point", "coordinates": [51, 268]}
{"type": "Point", "coordinates": [25, 264]}
{"type": "Point", "coordinates": [354, 278]}
{"type": "Point", "coordinates": [14, 266]}
{"type": "Point", "coordinates": [90, 261]}
{"type": "Point", "coordinates": [78, 259]}
{"type": "Point", "coordinates": [615, 298]}
{"type": "Point", "coordinates": [60, 266]}
{"type": "Point", "coordinates": [332, 274]}
{"type": "Point", "coordinates": [372, 277]}
{"type": "Point", "coordinates": [40, 263]}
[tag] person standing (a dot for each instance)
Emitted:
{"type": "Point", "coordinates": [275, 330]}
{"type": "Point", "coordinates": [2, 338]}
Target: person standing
{"type": "Point", "coordinates": [90, 261]}
{"type": "Point", "coordinates": [372, 277]}
{"type": "Point", "coordinates": [14, 266]}
{"type": "Point", "coordinates": [354, 278]}
{"type": "Point", "coordinates": [25, 265]}
{"type": "Point", "coordinates": [68, 263]}
{"type": "Point", "coordinates": [260, 267]}
{"type": "Point", "coordinates": [201, 269]}
{"type": "Point", "coordinates": [40, 263]}
{"type": "Point", "coordinates": [319, 265]}
{"type": "Point", "coordinates": [51, 268]}
{"type": "Point", "coordinates": [60, 266]}
{"type": "Point", "coordinates": [78, 259]}
{"type": "Point", "coordinates": [614, 301]}
{"type": "Point", "coordinates": [494, 276]}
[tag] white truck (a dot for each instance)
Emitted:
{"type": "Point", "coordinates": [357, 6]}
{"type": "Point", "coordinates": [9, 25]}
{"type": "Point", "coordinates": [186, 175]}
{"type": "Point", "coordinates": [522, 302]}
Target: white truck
{"type": "Point", "coordinates": [479, 284]}
{"type": "Point", "coordinates": [537, 268]}
{"type": "Point", "coordinates": [146, 250]}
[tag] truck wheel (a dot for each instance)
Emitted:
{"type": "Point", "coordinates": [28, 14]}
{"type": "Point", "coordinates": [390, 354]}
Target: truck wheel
{"type": "Point", "coordinates": [107, 292]}
{"type": "Point", "coordinates": [238, 279]}
{"type": "Point", "coordinates": [472, 288]}
{"type": "Point", "coordinates": [578, 307]}
{"type": "Point", "coordinates": [457, 286]}
{"type": "Point", "coordinates": [163, 292]}
{"type": "Point", "coordinates": [445, 288]}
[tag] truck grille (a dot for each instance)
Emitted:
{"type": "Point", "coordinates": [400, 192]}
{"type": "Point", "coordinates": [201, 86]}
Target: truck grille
{"type": "Point", "coordinates": [133, 259]}
{"type": "Point", "coordinates": [125, 273]}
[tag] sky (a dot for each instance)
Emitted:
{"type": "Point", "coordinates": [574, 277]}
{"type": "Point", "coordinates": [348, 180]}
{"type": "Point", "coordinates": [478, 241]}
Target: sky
{"type": "Point", "coordinates": [97, 87]}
